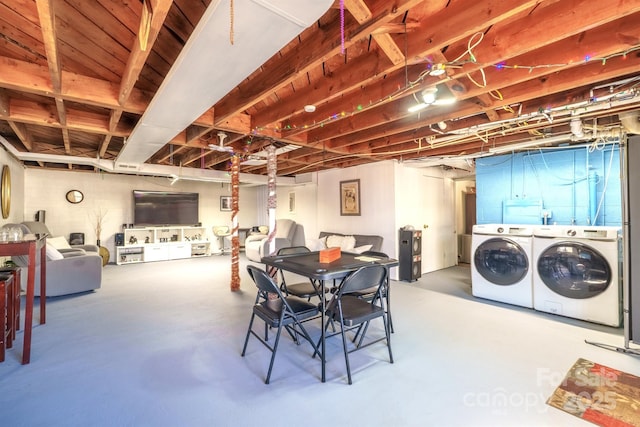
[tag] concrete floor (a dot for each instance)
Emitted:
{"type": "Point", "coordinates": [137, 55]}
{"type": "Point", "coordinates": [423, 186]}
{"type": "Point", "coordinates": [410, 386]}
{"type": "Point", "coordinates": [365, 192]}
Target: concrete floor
{"type": "Point", "coordinates": [159, 345]}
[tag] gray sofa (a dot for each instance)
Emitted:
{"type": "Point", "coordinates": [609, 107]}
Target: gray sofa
{"type": "Point", "coordinates": [69, 271]}
{"type": "Point", "coordinates": [361, 239]}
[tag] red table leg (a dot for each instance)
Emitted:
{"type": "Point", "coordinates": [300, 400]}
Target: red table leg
{"type": "Point", "coordinates": [28, 310]}
{"type": "Point", "coordinates": [43, 284]}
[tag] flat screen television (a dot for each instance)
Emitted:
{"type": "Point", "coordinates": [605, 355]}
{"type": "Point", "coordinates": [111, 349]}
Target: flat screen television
{"type": "Point", "coordinates": [164, 208]}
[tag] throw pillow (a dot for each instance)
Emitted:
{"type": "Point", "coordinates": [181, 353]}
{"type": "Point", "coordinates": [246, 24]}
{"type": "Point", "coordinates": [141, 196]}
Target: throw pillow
{"type": "Point", "coordinates": [316, 244]}
{"type": "Point", "coordinates": [334, 241]}
{"type": "Point", "coordinates": [58, 242]}
{"type": "Point", "coordinates": [362, 248]}
{"type": "Point", "coordinates": [345, 243]}
{"type": "Point", "coordinates": [52, 253]}
{"type": "Point", "coordinates": [348, 243]}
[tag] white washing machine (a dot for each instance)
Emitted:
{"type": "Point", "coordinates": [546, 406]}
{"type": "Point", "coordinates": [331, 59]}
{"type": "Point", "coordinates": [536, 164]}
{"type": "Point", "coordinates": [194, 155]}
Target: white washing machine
{"type": "Point", "coordinates": [501, 263]}
{"type": "Point", "coordinates": [577, 272]}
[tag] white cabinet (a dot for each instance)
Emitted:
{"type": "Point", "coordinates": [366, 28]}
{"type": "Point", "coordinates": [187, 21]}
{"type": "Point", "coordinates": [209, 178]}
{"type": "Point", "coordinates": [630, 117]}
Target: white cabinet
{"type": "Point", "coordinates": [180, 250]}
{"type": "Point", "coordinates": [147, 244]}
{"type": "Point", "coordinates": [156, 253]}
{"type": "Point", "coordinates": [130, 254]}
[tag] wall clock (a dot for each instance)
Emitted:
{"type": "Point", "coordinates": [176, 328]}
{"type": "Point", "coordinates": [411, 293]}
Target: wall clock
{"type": "Point", "coordinates": [5, 197]}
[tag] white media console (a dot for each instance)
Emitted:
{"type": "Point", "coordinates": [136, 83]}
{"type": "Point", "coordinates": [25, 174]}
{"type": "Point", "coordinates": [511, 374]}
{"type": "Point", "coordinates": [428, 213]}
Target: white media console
{"type": "Point", "coordinates": [146, 244]}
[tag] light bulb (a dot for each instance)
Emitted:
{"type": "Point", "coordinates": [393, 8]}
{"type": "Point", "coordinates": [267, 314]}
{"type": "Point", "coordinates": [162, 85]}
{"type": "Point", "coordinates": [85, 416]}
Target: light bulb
{"type": "Point", "coordinates": [429, 95]}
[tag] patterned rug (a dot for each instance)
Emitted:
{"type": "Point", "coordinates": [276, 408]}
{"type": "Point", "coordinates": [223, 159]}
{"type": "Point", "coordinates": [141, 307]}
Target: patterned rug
{"type": "Point", "coordinates": [599, 394]}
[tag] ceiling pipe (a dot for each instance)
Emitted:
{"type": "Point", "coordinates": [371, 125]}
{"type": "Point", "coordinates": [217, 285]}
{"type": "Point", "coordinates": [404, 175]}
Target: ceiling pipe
{"type": "Point", "coordinates": [614, 133]}
{"type": "Point", "coordinates": [145, 169]}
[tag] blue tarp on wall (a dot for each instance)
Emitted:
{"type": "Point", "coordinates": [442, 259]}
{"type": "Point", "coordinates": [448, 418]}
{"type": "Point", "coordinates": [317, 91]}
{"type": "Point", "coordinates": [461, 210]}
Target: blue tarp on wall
{"type": "Point", "coordinates": [580, 186]}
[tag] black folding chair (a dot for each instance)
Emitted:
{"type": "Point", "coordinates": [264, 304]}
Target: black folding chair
{"type": "Point", "coordinates": [290, 315]}
{"type": "Point", "coordinates": [369, 293]}
{"type": "Point", "coordinates": [306, 289]}
{"type": "Point", "coordinates": [352, 312]}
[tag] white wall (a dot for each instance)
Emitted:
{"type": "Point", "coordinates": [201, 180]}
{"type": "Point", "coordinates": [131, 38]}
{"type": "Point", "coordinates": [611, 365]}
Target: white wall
{"type": "Point", "coordinates": [391, 195]}
{"type": "Point", "coordinates": [377, 203]}
{"type": "Point", "coordinates": [306, 203]}
{"type": "Point", "coordinates": [112, 194]}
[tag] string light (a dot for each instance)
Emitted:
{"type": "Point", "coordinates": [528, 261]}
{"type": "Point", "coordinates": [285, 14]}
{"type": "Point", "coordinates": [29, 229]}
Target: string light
{"type": "Point", "coordinates": [472, 44]}
{"type": "Point", "coordinates": [588, 58]}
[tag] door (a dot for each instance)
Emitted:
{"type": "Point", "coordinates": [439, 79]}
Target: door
{"type": "Point", "coordinates": [439, 240]}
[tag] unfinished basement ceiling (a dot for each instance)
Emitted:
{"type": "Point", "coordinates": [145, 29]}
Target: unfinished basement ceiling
{"type": "Point", "coordinates": [147, 86]}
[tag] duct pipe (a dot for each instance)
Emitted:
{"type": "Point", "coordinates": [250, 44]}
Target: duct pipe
{"type": "Point", "coordinates": [576, 127]}
{"type": "Point", "coordinates": [630, 121]}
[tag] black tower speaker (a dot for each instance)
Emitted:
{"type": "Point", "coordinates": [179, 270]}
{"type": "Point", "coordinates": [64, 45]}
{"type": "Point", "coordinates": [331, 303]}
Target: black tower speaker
{"type": "Point", "coordinates": [119, 239]}
{"type": "Point", "coordinates": [410, 258]}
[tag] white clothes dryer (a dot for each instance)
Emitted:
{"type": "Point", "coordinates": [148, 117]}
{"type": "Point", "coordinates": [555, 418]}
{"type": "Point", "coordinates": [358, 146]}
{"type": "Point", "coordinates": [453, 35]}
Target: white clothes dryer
{"type": "Point", "coordinates": [577, 272]}
{"type": "Point", "coordinates": [501, 263]}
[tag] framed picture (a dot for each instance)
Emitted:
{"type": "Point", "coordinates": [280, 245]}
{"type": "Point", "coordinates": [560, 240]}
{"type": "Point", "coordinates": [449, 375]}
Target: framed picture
{"type": "Point", "coordinates": [292, 202]}
{"type": "Point", "coordinates": [350, 197]}
{"type": "Point", "coordinates": [225, 203]}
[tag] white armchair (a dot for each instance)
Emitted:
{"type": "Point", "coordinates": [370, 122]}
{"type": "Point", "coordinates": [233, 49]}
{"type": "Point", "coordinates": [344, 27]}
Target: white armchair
{"type": "Point", "coordinates": [288, 233]}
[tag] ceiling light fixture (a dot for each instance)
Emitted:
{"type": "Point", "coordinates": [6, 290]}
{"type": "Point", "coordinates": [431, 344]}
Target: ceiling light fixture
{"type": "Point", "coordinates": [417, 107]}
{"type": "Point", "coordinates": [429, 97]}
{"type": "Point", "coordinates": [309, 108]}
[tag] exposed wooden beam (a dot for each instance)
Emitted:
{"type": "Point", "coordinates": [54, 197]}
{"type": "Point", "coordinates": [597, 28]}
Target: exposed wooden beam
{"type": "Point", "coordinates": [362, 14]}
{"type": "Point", "coordinates": [369, 68]}
{"type": "Point", "coordinates": [281, 73]}
{"type": "Point", "coordinates": [23, 134]}
{"type": "Point", "coordinates": [48, 26]}
{"type": "Point", "coordinates": [496, 78]}
{"type": "Point", "coordinates": [138, 57]}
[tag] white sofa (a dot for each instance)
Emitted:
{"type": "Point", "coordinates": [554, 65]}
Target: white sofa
{"type": "Point", "coordinates": [288, 233]}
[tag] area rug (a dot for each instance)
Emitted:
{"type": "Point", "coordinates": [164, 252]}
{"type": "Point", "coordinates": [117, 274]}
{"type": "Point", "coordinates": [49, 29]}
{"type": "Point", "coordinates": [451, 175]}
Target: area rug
{"type": "Point", "coordinates": [599, 394]}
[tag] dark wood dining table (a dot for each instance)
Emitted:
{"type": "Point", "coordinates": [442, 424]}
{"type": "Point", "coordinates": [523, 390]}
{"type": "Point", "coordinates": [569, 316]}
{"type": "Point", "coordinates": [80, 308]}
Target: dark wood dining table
{"type": "Point", "coordinates": [309, 265]}
{"type": "Point", "coordinates": [29, 247]}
